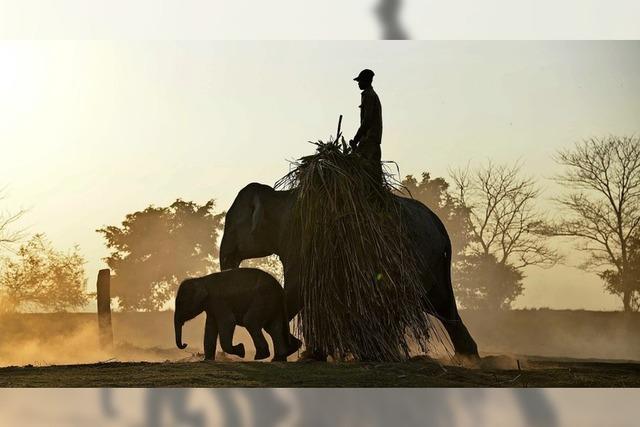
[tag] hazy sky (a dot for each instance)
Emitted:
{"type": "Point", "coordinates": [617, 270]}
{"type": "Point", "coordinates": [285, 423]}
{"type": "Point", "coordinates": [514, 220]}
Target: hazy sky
{"type": "Point", "coordinates": [91, 131]}
{"type": "Point", "coordinates": [311, 20]}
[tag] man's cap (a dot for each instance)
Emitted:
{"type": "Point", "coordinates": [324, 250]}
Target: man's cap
{"type": "Point", "coordinates": [365, 75]}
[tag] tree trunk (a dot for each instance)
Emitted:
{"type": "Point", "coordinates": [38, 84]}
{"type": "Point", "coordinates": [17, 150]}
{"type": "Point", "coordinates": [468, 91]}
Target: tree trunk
{"type": "Point", "coordinates": [626, 299]}
{"type": "Point", "coordinates": [627, 290]}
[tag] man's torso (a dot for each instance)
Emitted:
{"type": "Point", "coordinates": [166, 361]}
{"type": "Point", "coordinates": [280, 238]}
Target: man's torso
{"type": "Point", "coordinates": [370, 105]}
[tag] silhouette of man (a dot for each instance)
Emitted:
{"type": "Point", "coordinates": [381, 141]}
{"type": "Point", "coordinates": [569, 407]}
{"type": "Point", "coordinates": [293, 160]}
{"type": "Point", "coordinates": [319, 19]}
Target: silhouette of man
{"type": "Point", "coordinates": [367, 140]}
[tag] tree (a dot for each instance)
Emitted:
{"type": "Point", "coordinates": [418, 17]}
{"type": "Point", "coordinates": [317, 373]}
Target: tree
{"type": "Point", "coordinates": [601, 208]}
{"type": "Point", "coordinates": [506, 232]}
{"type": "Point", "coordinates": [434, 193]}
{"type": "Point", "coordinates": [611, 276]}
{"type": "Point", "coordinates": [8, 235]}
{"type": "Point", "coordinates": [485, 283]}
{"type": "Point", "coordinates": [154, 249]}
{"type": "Point", "coordinates": [41, 278]}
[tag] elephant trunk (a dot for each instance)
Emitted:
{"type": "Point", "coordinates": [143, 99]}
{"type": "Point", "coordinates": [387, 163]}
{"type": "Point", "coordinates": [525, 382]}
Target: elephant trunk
{"type": "Point", "coordinates": [228, 256]}
{"type": "Point", "coordinates": [178, 327]}
{"type": "Point", "coordinates": [228, 260]}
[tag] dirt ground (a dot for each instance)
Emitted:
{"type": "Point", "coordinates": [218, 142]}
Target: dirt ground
{"type": "Point", "coordinates": [563, 348]}
{"type": "Point", "coordinates": [416, 373]}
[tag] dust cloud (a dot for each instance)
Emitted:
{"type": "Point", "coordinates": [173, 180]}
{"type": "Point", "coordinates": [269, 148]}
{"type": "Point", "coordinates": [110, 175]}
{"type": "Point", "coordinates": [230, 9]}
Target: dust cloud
{"type": "Point", "coordinates": [55, 339]}
{"type": "Point", "coordinates": [504, 338]}
{"type": "Point", "coordinates": [41, 339]}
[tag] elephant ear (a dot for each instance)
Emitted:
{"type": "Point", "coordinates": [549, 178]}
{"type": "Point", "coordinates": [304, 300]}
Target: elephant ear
{"type": "Point", "coordinates": [200, 295]}
{"type": "Point", "coordinates": [257, 216]}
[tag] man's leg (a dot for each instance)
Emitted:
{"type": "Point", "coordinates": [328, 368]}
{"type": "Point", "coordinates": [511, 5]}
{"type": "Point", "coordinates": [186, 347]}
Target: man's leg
{"type": "Point", "coordinates": [372, 153]}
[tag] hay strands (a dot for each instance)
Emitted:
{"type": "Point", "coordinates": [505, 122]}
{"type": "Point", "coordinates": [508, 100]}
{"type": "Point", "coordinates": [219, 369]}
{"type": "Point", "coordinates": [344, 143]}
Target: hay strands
{"type": "Point", "coordinates": [361, 289]}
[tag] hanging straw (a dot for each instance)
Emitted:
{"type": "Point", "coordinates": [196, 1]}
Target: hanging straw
{"type": "Point", "coordinates": [362, 290]}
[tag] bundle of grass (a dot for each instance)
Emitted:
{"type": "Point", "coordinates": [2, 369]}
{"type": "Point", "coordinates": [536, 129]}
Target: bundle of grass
{"type": "Point", "coordinates": [361, 288]}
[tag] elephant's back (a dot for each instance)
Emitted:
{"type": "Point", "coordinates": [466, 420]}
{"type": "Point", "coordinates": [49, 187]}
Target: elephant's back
{"type": "Point", "coordinates": [243, 287]}
{"type": "Point", "coordinates": [431, 243]}
{"type": "Point", "coordinates": [424, 226]}
{"type": "Point", "coordinates": [249, 277]}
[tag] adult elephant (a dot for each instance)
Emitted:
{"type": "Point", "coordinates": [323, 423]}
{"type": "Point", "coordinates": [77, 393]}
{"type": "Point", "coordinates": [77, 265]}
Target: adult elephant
{"type": "Point", "coordinates": [259, 223]}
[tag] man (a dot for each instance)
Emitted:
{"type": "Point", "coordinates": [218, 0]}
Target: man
{"type": "Point", "coordinates": [367, 140]}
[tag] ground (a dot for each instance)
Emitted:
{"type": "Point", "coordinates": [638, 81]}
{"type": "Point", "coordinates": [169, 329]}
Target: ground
{"type": "Point", "coordinates": [415, 373]}
{"type": "Point", "coordinates": [597, 342]}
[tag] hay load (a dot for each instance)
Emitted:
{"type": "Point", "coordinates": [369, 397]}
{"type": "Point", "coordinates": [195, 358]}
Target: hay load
{"type": "Point", "coordinates": [361, 288]}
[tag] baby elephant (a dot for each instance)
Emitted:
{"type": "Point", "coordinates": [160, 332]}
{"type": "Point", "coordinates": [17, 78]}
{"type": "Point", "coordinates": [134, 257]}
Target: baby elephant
{"type": "Point", "coordinates": [243, 296]}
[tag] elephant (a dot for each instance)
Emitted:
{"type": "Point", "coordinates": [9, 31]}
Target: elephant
{"type": "Point", "coordinates": [246, 297]}
{"type": "Point", "coordinates": [260, 223]}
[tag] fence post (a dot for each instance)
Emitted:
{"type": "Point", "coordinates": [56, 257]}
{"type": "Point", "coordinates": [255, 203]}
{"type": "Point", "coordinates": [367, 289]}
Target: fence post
{"type": "Point", "coordinates": [105, 330]}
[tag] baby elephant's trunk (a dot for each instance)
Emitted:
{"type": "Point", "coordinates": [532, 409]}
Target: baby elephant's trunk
{"type": "Point", "coordinates": [178, 326]}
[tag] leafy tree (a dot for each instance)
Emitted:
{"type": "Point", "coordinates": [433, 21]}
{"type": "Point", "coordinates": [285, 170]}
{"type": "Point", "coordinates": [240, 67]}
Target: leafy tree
{"type": "Point", "coordinates": [434, 193]}
{"type": "Point", "coordinates": [154, 249]}
{"type": "Point", "coordinates": [482, 282]}
{"type": "Point", "coordinates": [41, 278]}
{"type": "Point", "coordinates": [612, 277]}
{"type": "Point", "coordinates": [601, 208]}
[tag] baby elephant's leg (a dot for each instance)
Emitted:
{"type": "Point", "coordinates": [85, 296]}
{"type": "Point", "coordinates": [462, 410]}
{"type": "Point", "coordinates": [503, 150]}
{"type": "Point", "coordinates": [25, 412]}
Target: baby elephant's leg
{"type": "Point", "coordinates": [254, 321]}
{"type": "Point", "coordinates": [284, 343]}
{"type": "Point", "coordinates": [226, 340]}
{"type": "Point", "coordinates": [210, 337]}
{"type": "Point", "coordinates": [276, 330]}
{"type": "Point", "coordinates": [226, 325]}
{"type": "Point", "coordinates": [294, 344]}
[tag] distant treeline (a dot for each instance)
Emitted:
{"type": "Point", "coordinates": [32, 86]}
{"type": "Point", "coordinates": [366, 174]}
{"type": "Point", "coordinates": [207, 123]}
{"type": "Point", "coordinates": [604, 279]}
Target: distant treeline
{"type": "Point", "coordinates": [491, 212]}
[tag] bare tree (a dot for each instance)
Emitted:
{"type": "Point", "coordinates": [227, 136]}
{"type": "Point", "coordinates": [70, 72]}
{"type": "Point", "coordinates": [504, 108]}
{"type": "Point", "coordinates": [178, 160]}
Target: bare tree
{"type": "Point", "coordinates": [602, 204]}
{"type": "Point", "coordinates": [504, 220]}
{"type": "Point", "coordinates": [506, 235]}
{"type": "Point", "coordinates": [8, 233]}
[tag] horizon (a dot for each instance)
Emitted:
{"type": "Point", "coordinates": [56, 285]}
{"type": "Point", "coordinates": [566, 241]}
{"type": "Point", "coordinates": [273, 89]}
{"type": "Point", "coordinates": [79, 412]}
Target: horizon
{"type": "Point", "coordinates": [97, 130]}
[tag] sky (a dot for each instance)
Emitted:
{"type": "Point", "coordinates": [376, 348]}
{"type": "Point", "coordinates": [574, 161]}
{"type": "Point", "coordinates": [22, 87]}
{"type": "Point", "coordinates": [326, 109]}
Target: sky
{"type": "Point", "coordinates": [326, 19]}
{"type": "Point", "coordinates": [91, 131]}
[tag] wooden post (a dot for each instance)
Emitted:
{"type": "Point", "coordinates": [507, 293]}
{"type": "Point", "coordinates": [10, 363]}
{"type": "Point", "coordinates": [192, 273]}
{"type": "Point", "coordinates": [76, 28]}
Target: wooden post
{"type": "Point", "coordinates": [104, 309]}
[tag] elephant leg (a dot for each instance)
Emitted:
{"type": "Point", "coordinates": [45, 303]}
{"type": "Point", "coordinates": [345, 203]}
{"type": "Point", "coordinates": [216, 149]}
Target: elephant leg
{"type": "Point", "coordinates": [262, 347]}
{"type": "Point", "coordinates": [294, 344]}
{"type": "Point", "coordinates": [293, 303]}
{"type": "Point", "coordinates": [292, 298]}
{"type": "Point", "coordinates": [443, 304]}
{"type": "Point", "coordinates": [253, 321]}
{"type": "Point", "coordinates": [226, 340]}
{"type": "Point", "coordinates": [226, 326]}
{"type": "Point", "coordinates": [463, 343]}
{"type": "Point", "coordinates": [444, 307]}
{"type": "Point", "coordinates": [284, 343]}
{"type": "Point", "coordinates": [210, 338]}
